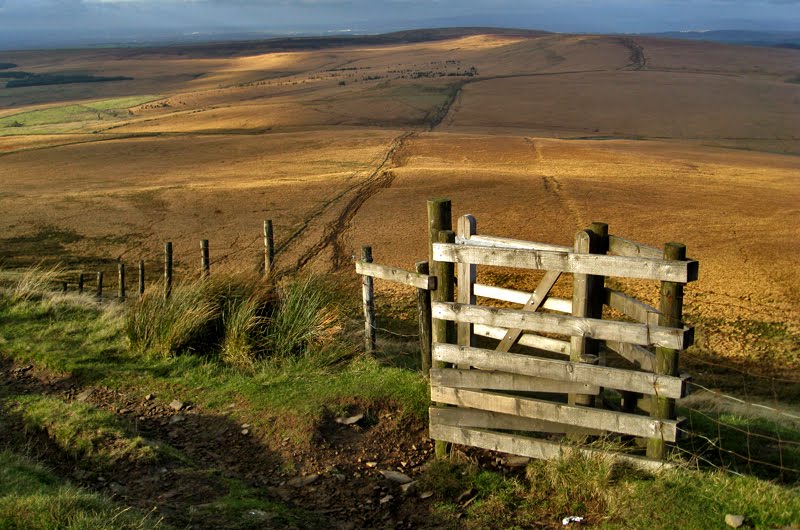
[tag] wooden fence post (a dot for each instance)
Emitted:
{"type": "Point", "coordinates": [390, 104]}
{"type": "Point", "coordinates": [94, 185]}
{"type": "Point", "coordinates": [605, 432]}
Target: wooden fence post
{"type": "Point", "coordinates": [269, 248]}
{"type": "Point", "coordinates": [141, 277]}
{"type": "Point", "coordinates": [167, 269]}
{"type": "Point", "coordinates": [205, 263]}
{"type": "Point", "coordinates": [99, 286]}
{"type": "Point", "coordinates": [424, 309]}
{"type": "Point", "coordinates": [440, 222]}
{"type": "Point", "coordinates": [80, 283]}
{"type": "Point", "coordinates": [466, 274]}
{"type": "Point", "coordinates": [121, 282]}
{"type": "Point", "coordinates": [671, 315]}
{"type": "Point", "coordinates": [368, 295]}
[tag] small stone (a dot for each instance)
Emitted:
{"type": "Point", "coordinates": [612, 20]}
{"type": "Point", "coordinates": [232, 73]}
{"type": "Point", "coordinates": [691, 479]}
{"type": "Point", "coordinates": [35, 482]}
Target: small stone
{"type": "Point", "coordinates": [300, 482]}
{"type": "Point", "coordinates": [149, 397]}
{"type": "Point", "coordinates": [408, 487]}
{"type": "Point", "coordinates": [387, 498]}
{"type": "Point", "coordinates": [177, 418]}
{"type": "Point", "coordinates": [86, 394]}
{"type": "Point", "coordinates": [349, 420]}
{"type": "Point", "coordinates": [734, 521]}
{"type": "Point", "coordinates": [245, 432]}
{"type": "Point", "coordinates": [176, 405]}
{"type": "Point", "coordinates": [394, 476]}
{"type": "Point", "coordinates": [371, 464]}
{"type": "Point", "coordinates": [245, 426]}
{"type": "Point", "coordinates": [517, 461]}
{"type": "Point", "coordinates": [426, 495]}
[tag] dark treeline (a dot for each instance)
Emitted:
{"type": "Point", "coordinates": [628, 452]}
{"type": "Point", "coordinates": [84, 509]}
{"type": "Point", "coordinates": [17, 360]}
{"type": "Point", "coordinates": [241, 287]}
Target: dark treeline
{"type": "Point", "coordinates": [6, 66]}
{"type": "Point", "coordinates": [58, 79]}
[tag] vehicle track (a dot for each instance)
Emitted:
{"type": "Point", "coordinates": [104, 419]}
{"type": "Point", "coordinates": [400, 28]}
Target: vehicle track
{"type": "Point", "coordinates": [334, 232]}
{"type": "Point", "coordinates": [638, 60]}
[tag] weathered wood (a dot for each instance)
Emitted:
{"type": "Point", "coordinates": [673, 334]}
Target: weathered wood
{"type": "Point", "coordinates": [631, 307]}
{"type": "Point", "coordinates": [619, 246]}
{"type": "Point", "coordinates": [99, 292]}
{"type": "Point", "coordinates": [443, 329]}
{"type": "Point", "coordinates": [122, 292]}
{"type": "Point", "coordinates": [440, 221]}
{"type": "Point", "coordinates": [492, 380]}
{"type": "Point", "coordinates": [167, 269]}
{"type": "Point", "coordinates": [557, 370]}
{"type": "Point", "coordinates": [269, 248]}
{"type": "Point", "coordinates": [557, 412]}
{"type": "Point", "coordinates": [580, 308]}
{"type": "Point", "coordinates": [506, 242]}
{"type": "Point", "coordinates": [641, 357]}
{"type": "Point", "coordinates": [141, 277]}
{"type": "Point", "coordinates": [368, 297]}
{"type": "Point", "coordinates": [531, 305]}
{"type": "Point", "coordinates": [80, 283]}
{"type": "Point", "coordinates": [424, 311]}
{"type": "Point", "coordinates": [671, 309]}
{"type": "Point", "coordinates": [483, 419]}
{"type": "Point", "coordinates": [466, 274]}
{"type": "Point", "coordinates": [615, 266]}
{"type": "Point", "coordinates": [531, 447]}
{"type": "Point", "coordinates": [503, 294]}
{"type": "Point", "coordinates": [527, 339]}
{"type": "Point", "coordinates": [634, 333]}
{"type": "Point", "coordinates": [393, 274]}
{"type": "Point", "coordinates": [205, 261]}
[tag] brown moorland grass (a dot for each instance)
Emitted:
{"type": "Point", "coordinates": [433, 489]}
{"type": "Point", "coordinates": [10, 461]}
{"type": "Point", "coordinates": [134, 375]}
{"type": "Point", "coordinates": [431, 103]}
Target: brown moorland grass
{"type": "Point", "coordinates": [333, 145]}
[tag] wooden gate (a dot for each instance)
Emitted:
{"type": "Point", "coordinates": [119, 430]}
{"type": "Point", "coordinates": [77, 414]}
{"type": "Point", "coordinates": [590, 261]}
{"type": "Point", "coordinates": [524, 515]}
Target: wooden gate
{"type": "Point", "coordinates": [559, 382]}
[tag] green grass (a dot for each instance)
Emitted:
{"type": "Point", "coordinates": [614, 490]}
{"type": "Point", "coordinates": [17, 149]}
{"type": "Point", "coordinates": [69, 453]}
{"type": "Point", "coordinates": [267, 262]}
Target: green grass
{"type": "Point", "coordinates": [69, 117]}
{"type": "Point", "coordinates": [607, 496]}
{"type": "Point", "coordinates": [32, 497]}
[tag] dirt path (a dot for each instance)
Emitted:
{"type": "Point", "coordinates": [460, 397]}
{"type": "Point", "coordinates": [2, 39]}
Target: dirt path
{"type": "Point", "coordinates": [336, 480]}
{"type": "Point", "coordinates": [638, 60]}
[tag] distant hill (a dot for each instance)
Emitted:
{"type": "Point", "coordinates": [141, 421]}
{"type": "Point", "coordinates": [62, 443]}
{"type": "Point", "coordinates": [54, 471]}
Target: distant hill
{"type": "Point", "coordinates": [778, 39]}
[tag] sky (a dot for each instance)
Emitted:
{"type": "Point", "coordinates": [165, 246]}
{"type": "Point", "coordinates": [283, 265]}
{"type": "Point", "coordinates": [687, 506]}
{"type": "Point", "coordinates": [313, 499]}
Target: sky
{"type": "Point", "coordinates": [26, 22]}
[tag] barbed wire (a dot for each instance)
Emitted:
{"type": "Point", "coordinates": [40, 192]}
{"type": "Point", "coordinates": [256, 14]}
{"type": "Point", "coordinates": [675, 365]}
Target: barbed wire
{"type": "Point", "coordinates": [743, 402]}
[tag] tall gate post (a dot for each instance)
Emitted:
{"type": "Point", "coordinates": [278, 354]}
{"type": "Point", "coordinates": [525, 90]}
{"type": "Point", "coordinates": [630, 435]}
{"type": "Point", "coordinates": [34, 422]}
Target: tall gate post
{"type": "Point", "coordinates": [424, 310]}
{"type": "Point", "coordinates": [368, 296]}
{"type": "Point", "coordinates": [671, 315]}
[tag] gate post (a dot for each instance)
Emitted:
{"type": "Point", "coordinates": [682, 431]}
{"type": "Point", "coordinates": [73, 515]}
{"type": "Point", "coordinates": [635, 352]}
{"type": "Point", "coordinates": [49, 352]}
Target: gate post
{"type": "Point", "coordinates": [671, 315]}
{"type": "Point", "coordinates": [467, 227]}
{"type": "Point", "coordinates": [368, 296]}
{"type": "Point", "coordinates": [424, 309]}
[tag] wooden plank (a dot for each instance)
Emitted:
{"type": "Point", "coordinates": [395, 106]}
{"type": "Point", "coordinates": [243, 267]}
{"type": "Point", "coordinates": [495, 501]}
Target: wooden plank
{"type": "Point", "coordinates": [634, 333]}
{"type": "Point", "coordinates": [597, 264]}
{"type": "Point", "coordinates": [532, 447]}
{"type": "Point", "coordinates": [466, 274]}
{"type": "Point", "coordinates": [641, 357]}
{"type": "Point", "coordinates": [527, 339]}
{"type": "Point", "coordinates": [393, 274]}
{"type": "Point", "coordinates": [532, 304]}
{"type": "Point", "coordinates": [491, 380]}
{"type": "Point", "coordinates": [620, 246]}
{"type": "Point", "coordinates": [631, 307]}
{"type": "Point", "coordinates": [483, 419]}
{"type": "Point", "coordinates": [568, 371]}
{"type": "Point", "coordinates": [561, 305]}
{"type": "Point", "coordinates": [578, 416]}
{"type": "Point", "coordinates": [507, 242]}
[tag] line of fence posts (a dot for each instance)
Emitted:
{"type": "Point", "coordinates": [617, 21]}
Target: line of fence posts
{"type": "Point", "coordinates": [205, 268]}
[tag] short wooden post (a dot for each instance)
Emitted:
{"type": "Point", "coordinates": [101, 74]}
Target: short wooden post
{"type": "Point", "coordinates": [671, 315]}
{"type": "Point", "coordinates": [99, 293]}
{"type": "Point", "coordinates": [269, 248]}
{"type": "Point", "coordinates": [167, 269]}
{"type": "Point", "coordinates": [121, 283]}
{"type": "Point", "coordinates": [205, 264]}
{"type": "Point", "coordinates": [141, 277]}
{"type": "Point", "coordinates": [368, 295]}
{"type": "Point", "coordinates": [466, 273]}
{"type": "Point", "coordinates": [439, 220]}
{"type": "Point", "coordinates": [583, 305]}
{"type": "Point", "coordinates": [80, 283]}
{"type": "Point", "coordinates": [424, 310]}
